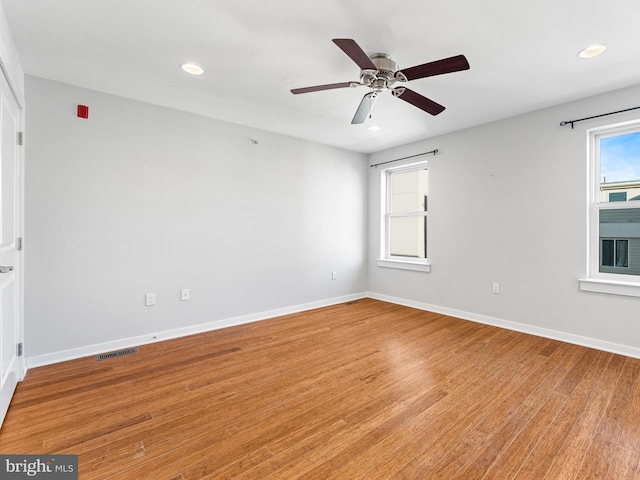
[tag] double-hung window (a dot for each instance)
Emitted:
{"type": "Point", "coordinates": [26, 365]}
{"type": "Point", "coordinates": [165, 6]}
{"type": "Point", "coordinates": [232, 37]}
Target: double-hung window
{"type": "Point", "coordinates": [614, 210]}
{"type": "Point", "coordinates": [405, 192]}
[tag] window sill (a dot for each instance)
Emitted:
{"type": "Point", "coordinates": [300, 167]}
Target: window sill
{"type": "Point", "coordinates": [628, 289]}
{"type": "Point", "coordinates": [404, 265]}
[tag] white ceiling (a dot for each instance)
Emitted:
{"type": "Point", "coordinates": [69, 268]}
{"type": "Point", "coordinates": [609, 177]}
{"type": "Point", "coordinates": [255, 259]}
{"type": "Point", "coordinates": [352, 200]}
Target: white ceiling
{"type": "Point", "coordinates": [522, 57]}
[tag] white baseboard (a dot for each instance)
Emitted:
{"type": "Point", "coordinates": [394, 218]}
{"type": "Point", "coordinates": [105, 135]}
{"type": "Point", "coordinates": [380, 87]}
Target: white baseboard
{"type": "Point", "coordinates": [625, 350]}
{"type": "Point", "coordinates": [74, 353]}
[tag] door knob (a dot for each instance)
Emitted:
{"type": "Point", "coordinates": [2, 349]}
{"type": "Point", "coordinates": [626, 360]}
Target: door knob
{"type": "Point", "coordinates": [6, 269]}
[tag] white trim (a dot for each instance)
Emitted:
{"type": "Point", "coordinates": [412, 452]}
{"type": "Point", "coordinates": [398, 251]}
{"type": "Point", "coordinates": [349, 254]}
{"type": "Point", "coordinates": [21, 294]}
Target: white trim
{"type": "Point", "coordinates": [386, 215]}
{"type": "Point", "coordinates": [62, 356]}
{"type": "Point", "coordinates": [19, 100]}
{"type": "Point", "coordinates": [10, 61]}
{"type": "Point", "coordinates": [597, 281]}
{"type": "Point", "coordinates": [629, 289]}
{"type": "Point", "coordinates": [518, 327]}
{"type": "Point", "coordinates": [404, 265]}
{"type": "Point", "coordinates": [74, 353]}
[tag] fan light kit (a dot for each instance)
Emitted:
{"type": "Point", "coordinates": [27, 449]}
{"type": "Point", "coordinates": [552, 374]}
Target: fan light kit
{"type": "Point", "coordinates": [192, 68]}
{"type": "Point", "coordinates": [379, 72]}
{"type": "Point", "coordinates": [592, 51]}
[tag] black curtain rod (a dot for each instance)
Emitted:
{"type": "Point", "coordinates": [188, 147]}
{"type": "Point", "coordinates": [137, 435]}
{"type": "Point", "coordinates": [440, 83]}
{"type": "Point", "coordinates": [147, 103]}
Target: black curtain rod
{"type": "Point", "coordinates": [571, 122]}
{"type": "Point", "coordinates": [404, 158]}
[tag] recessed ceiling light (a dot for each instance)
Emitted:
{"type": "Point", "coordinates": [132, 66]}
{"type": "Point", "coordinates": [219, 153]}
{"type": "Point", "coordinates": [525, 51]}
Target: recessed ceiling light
{"type": "Point", "coordinates": [373, 128]}
{"type": "Point", "coordinates": [192, 68]}
{"type": "Point", "coordinates": [592, 51]}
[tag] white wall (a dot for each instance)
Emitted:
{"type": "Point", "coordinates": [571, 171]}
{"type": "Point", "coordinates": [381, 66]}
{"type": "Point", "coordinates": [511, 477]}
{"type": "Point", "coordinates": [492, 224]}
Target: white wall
{"type": "Point", "coordinates": [9, 61]}
{"type": "Point", "coordinates": [507, 203]}
{"type": "Point", "coordinates": [141, 198]}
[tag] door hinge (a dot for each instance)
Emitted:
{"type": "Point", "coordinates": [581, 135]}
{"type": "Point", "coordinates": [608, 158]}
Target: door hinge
{"type": "Point", "coordinates": [20, 138]}
{"type": "Point", "coordinates": [19, 243]}
{"type": "Point", "coordinates": [20, 349]}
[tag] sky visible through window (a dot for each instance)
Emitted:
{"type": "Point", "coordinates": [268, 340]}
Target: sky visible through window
{"type": "Point", "coordinates": [620, 158]}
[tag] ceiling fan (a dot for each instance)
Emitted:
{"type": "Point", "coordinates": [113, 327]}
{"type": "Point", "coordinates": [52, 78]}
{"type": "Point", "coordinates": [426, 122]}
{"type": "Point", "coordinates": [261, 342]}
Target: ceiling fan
{"type": "Point", "coordinates": [379, 72]}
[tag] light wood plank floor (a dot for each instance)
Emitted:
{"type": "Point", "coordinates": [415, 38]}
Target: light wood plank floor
{"type": "Point", "coordinates": [367, 390]}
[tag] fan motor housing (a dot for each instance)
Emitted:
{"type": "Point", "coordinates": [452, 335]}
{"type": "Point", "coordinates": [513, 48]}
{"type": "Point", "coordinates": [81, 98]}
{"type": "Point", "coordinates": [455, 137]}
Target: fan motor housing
{"type": "Point", "coordinates": [385, 65]}
{"type": "Point", "coordinates": [380, 79]}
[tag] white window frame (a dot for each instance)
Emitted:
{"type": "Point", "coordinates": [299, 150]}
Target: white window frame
{"type": "Point", "coordinates": [597, 281]}
{"type": "Point", "coordinates": [386, 259]}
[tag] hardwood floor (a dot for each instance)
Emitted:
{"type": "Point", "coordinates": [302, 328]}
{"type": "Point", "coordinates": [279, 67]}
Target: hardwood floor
{"type": "Point", "coordinates": [366, 390]}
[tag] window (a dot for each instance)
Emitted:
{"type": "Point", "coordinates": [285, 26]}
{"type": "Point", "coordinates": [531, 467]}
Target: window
{"type": "Point", "coordinates": [614, 210]}
{"type": "Point", "coordinates": [614, 253]}
{"type": "Point", "coordinates": [404, 237]}
{"type": "Point", "coordinates": [618, 196]}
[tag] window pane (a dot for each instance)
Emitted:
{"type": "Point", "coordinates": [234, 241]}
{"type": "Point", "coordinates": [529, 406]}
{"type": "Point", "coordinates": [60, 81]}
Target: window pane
{"type": "Point", "coordinates": [620, 241]}
{"type": "Point", "coordinates": [620, 168]}
{"type": "Point", "coordinates": [606, 257]}
{"type": "Point", "coordinates": [622, 253]}
{"type": "Point", "coordinates": [409, 191]}
{"type": "Point", "coordinates": [617, 196]}
{"type": "Point", "coordinates": [408, 236]}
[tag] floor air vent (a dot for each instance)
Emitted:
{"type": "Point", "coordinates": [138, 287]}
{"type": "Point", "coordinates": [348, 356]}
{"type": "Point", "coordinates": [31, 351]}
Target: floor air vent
{"type": "Point", "coordinates": [120, 353]}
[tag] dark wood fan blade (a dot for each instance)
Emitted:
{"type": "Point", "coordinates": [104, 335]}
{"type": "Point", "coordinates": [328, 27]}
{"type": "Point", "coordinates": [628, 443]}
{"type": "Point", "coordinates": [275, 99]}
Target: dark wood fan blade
{"type": "Point", "coordinates": [439, 67]}
{"type": "Point", "coordinates": [417, 100]}
{"type": "Point", "coordinates": [365, 107]}
{"type": "Point", "coordinates": [317, 88]}
{"type": "Point", "coordinates": [355, 53]}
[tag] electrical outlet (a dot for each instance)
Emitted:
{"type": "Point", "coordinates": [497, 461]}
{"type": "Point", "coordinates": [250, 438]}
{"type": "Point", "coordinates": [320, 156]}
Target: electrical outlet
{"type": "Point", "coordinates": [150, 299]}
{"type": "Point", "coordinates": [496, 287]}
{"type": "Point", "coordinates": [185, 294]}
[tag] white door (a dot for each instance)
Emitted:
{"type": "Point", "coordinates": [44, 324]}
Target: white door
{"type": "Point", "coordinates": [10, 369]}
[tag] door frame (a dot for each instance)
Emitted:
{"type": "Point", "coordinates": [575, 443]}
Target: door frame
{"type": "Point", "coordinates": [22, 363]}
